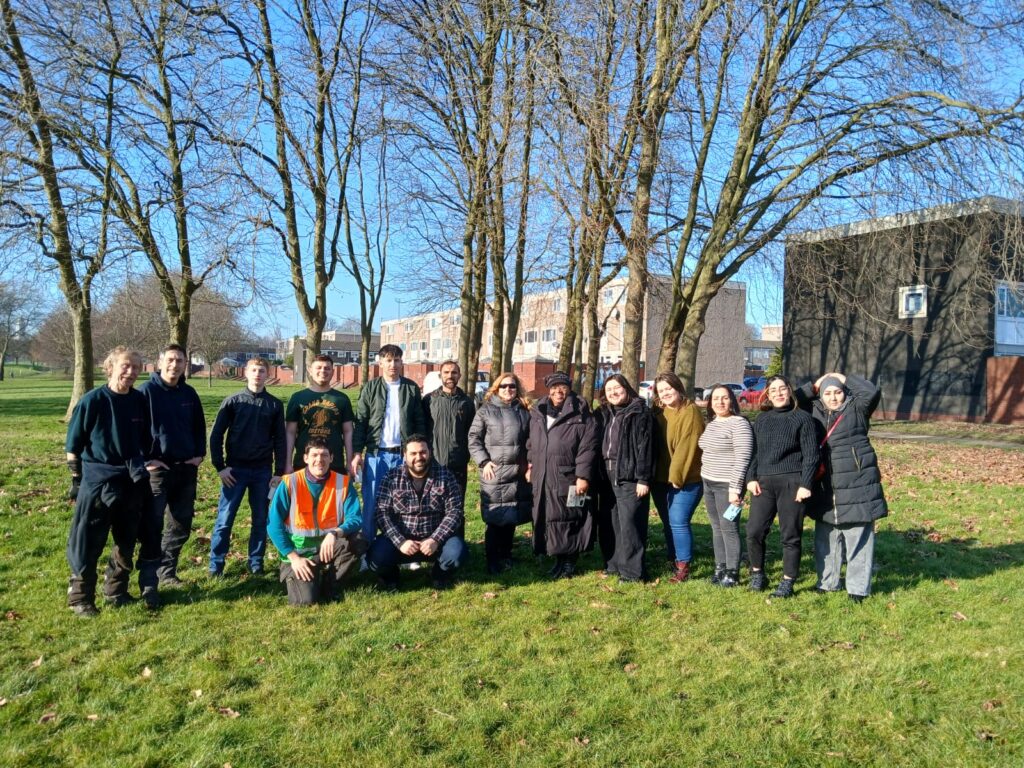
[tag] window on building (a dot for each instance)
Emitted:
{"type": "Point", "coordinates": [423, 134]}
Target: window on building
{"type": "Point", "coordinates": [558, 305]}
{"type": "Point", "coordinates": [549, 334]}
{"type": "Point", "coordinates": [609, 294]}
{"type": "Point", "coordinates": [437, 345]}
{"type": "Point", "coordinates": [530, 337]}
{"type": "Point", "coordinates": [402, 346]}
{"type": "Point", "coordinates": [1010, 300]}
{"type": "Point", "coordinates": [408, 327]}
{"type": "Point", "coordinates": [913, 301]}
{"type": "Point", "coordinates": [447, 343]}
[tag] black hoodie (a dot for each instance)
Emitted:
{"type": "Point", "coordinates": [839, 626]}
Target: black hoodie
{"type": "Point", "coordinates": [176, 416]}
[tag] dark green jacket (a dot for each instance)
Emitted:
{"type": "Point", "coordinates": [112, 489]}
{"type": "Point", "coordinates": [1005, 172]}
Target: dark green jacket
{"type": "Point", "coordinates": [373, 400]}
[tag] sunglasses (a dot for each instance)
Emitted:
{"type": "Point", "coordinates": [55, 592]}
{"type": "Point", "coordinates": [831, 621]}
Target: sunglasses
{"type": "Point", "coordinates": [507, 386]}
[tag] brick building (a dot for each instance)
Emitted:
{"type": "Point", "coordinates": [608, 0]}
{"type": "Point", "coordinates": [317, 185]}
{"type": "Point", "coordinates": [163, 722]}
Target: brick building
{"type": "Point", "coordinates": [433, 336]}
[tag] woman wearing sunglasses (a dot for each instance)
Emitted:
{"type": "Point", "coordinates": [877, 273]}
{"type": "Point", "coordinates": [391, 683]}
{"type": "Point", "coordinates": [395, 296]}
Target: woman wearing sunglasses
{"type": "Point", "coordinates": [497, 443]}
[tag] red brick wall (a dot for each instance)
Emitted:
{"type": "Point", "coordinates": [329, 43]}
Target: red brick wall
{"type": "Point", "coordinates": [1004, 377]}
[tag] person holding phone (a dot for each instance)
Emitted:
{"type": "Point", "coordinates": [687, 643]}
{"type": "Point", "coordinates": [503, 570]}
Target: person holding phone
{"type": "Point", "coordinates": [727, 444]}
{"type": "Point", "coordinates": [780, 478]}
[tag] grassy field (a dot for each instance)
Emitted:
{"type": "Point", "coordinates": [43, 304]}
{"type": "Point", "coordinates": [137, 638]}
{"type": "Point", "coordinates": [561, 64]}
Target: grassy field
{"type": "Point", "coordinates": [516, 670]}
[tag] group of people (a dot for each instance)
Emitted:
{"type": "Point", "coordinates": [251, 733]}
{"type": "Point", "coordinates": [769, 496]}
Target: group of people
{"type": "Point", "coordinates": [578, 474]}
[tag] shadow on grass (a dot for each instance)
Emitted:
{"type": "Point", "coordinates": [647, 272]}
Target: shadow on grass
{"type": "Point", "coordinates": [34, 406]}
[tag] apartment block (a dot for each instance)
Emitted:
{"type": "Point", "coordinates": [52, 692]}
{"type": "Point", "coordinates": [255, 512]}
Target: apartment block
{"type": "Point", "coordinates": [434, 336]}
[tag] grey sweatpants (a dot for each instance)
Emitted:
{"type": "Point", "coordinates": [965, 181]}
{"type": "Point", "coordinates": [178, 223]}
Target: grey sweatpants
{"type": "Point", "coordinates": [853, 543]}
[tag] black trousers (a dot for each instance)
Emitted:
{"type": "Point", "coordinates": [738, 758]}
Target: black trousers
{"type": "Point", "coordinates": [778, 496]}
{"type": "Point", "coordinates": [327, 577]}
{"type": "Point", "coordinates": [498, 541]}
{"type": "Point", "coordinates": [629, 521]}
{"type": "Point", "coordinates": [173, 509]}
{"type": "Point", "coordinates": [604, 530]}
{"type": "Point", "coordinates": [101, 510]}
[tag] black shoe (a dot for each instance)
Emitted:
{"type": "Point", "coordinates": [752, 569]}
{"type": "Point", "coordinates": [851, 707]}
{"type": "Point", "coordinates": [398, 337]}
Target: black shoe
{"type": "Point", "coordinates": [172, 582]}
{"type": "Point", "coordinates": [151, 598]}
{"type": "Point", "coordinates": [556, 569]}
{"type": "Point", "coordinates": [120, 600]}
{"type": "Point", "coordinates": [388, 586]}
{"type": "Point", "coordinates": [785, 588]}
{"type": "Point", "coordinates": [716, 577]}
{"type": "Point", "coordinates": [758, 581]}
{"type": "Point", "coordinates": [84, 610]}
{"type": "Point", "coordinates": [729, 578]}
{"type": "Point", "coordinates": [508, 564]}
{"type": "Point", "coordinates": [567, 571]}
{"type": "Point", "coordinates": [857, 598]}
{"type": "Point", "coordinates": [495, 568]}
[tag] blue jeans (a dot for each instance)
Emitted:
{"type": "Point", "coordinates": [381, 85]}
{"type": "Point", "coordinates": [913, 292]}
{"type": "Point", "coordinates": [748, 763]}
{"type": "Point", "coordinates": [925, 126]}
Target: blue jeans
{"type": "Point", "coordinates": [257, 482]}
{"type": "Point", "coordinates": [384, 557]}
{"type": "Point", "coordinates": [675, 508]}
{"type": "Point", "coordinates": [375, 466]}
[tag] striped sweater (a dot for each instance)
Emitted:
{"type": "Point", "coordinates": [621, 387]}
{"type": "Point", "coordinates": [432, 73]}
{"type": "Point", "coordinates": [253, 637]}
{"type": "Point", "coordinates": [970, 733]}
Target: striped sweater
{"type": "Point", "coordinates": [727, 444]}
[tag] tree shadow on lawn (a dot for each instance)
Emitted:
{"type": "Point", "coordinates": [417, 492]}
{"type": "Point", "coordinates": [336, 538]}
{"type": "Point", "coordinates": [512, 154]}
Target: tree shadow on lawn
{"type": "Point", "coordinates": [904, 559]}
{"type": "Point", "coordinates": [34, 407]}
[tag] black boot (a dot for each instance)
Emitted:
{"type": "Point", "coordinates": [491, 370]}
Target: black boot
{"type": "Point", "coordinates": [785, 588]}
{"type": "Point", "coordinates": [730, 578]}
{"type": "Point", "coordinates": [716, 578]}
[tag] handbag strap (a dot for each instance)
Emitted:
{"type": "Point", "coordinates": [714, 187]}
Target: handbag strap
{"type": "Point", "coordinates": [831, 430]}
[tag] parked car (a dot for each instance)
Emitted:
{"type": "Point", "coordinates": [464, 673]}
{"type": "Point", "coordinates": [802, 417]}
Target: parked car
{"type": "Point", "coordinates": [483, 382]}
{"type": "Point", "coordinates": [646, 390]}
{"type": "Point", "coordinates": [752, 394]}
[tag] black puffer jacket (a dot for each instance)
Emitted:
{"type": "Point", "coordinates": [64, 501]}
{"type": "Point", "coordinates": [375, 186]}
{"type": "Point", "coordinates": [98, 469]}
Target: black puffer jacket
{"type": "Point", "coordinates": [559, 455]}
{"type": "Point", "coordinates": [499, 435]}
{"type": "Point", "coordinates": [851, 490]}
{"type": "Point", "coordinates": [634, 460]}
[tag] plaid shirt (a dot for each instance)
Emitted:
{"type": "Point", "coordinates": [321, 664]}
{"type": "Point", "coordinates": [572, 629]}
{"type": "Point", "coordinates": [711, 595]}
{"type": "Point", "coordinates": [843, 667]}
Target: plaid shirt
{"type": "Point", "coordinates": [403, 514]}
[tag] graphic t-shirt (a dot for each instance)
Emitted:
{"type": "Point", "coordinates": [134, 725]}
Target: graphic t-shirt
{"type": "Point", "coordinates": [320, 414]}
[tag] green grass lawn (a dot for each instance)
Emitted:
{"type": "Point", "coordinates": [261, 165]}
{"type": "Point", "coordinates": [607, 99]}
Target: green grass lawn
{"type": "Point", "coordinates": [517, 670]}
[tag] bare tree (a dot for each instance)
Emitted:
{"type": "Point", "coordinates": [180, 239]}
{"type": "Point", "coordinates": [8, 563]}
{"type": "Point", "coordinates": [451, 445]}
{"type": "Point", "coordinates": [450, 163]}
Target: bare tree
{"type": "Point", "coordinates": [305, 62]}
{"type": "Point", "coordinates": [45, 198]}
{"type": "Point", "coordinates": [19, 313]}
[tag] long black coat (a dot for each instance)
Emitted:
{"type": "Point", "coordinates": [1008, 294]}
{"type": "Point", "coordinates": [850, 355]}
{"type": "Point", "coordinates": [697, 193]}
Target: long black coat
{"type": "Point", "coordinates": [499, 435]}
{"type": "Point", "coordinates": [559, 455]}
{"type": "Point", "coordinates": [851, 490]}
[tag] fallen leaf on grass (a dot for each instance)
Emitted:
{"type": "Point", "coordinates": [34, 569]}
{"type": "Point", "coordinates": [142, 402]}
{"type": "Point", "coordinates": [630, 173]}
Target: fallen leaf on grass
{"type": "Point", "coordinates": [94, 718]}
{"type": "Point", "coordinates": [48, 716]}
{"type": "Point", "coordinates": [147, 673]}
{"type": "Point", "coordinates": [549, 630]}
{"type": "Point", "coordinates": [593, 631]}
{"type": "Point", "coordinates": [12, 615]}
{"type": "Point", "coordinates": [596, 604]}
{"type": "Point", "coordinates": [36, 664]}
{"type": "Point", "coordinates": [490, 595]}
{"type": "Point", "coordinates": [521, 742]}
{"type": "Point", "coordinates": [935, 537]}
{"type": "Point", "coordinates": [951, 584]}
{"type": "Point", "coordinates": [986, 736]}
{"type": "Point", "coordinates": [959, 616]}
{"type": "Point", "coordinates": [197, 693]}
{"type": "Point", "coordinates": [582, 742]}
{"type": "Point", "coordinates": [991, 704]}
{"type": "Point", "coordinates": [228, 712]}
{"type": "Point", "coordinates": [369, 649]}
{"type": "Point", "coordinates": [630, 668]}
{"type": "Point", "coordinates": [606, 588]}
{"type": "Point", "coordinates": [3, 702]}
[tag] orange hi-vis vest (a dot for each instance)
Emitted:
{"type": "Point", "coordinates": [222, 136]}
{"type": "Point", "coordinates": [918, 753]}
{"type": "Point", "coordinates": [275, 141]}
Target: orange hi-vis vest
{"type": "Point", "coordinates": [329, 514]}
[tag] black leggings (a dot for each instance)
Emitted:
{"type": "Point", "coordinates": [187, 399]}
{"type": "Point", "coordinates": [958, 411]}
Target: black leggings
{"type": "Point", "coordinates": [778, 496]}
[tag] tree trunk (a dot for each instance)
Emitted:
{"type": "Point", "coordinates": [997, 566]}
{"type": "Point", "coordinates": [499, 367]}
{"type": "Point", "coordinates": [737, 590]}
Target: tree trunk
{"type": "Point", "coordinates": [81, 321]}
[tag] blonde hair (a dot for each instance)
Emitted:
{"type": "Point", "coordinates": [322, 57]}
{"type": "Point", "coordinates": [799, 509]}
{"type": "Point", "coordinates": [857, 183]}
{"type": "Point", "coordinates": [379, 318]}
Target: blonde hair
{"type": "Point", "coordinates": [492, 390]}
{"type": "Point", "coordinates": [116, 354]}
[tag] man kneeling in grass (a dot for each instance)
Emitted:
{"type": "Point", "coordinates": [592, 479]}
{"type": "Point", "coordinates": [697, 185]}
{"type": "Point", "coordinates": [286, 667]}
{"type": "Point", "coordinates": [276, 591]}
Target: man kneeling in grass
{"type": "Point", "coordinates": [419, 511]}
{"type": "Point", "coordinates": [316, 526]}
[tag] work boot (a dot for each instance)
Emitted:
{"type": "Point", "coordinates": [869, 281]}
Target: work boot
{"type": "Point", "coordinates": [785, 588]}
{"type": "Point", "coordinates": [84, 610]}
{"type": "Point", "coordinates": [716, 577]}
{"type": "Point", "coordinates": [682, 573]}
{"type": "Point", "coordinates": [151, 598]}
{"type": "Point", "coordinates": [758, 581]}
{"type": "Point", "coordinates": [730, 578]}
